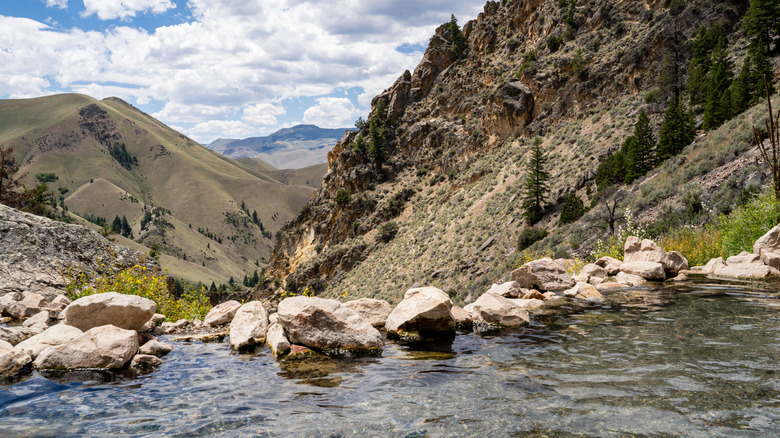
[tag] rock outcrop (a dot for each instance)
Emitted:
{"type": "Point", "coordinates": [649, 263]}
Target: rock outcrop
{"type": "Point", "coordinates": [423, 313]}
{"type": "Point", "coordinates": [328, 326]}
{"type": "Point", "coordinates": [128, 312]}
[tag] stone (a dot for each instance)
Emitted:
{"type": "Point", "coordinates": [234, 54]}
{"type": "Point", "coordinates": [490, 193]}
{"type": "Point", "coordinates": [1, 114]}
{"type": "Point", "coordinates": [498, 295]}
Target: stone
{"type": "Point", "coordinates": [153, 322]}
{"type": "Point", "coordinates": [31, 299]}
{"type": "Point", "coordinates": [145, 361]}
{"type": "Point", "coordinates": [222, 313]}
{"type": "Point", "coordinates": [249, 325]}
{"type": "Point", "coordinates": [612, 286]}
{"type": "Point", "coordinates": [273, 318]}
{"type": "Point", "coordinates": [584, 291]}
{"type": "Point", "coordinates": [374, 311]}
{"type": "Point", "coordinates": [646, 270]}
{"type": "Point", "coordinates": [11, 359]}
{"type": "Point", "coordinates": [767, 247]}
{"type": "Point", "coordinates": [645, 250]}
{"type": "Point", "coordinates": [16, 309]}
{"type": "Point", "coordinates": [462, 318]}
{"type": "Point", "coordinates": [202, 337]}
{"type": "Point", "coordinates": [632, 280]}
{"type": "Point", "coordinates": [53, 336]}
{"type": "Point", "coordinates": [591, 273]}
{"type": "Point", "coordinates": [543, 275]}
{"type": "Point", "coordinates": [423, 313]}
{"type": "Point", "coordinates": [12, 335]}
{"type": "Point", "coordinates": [106, 346]}
{"type": "Point", "coordinates": [680, 277]}
{"type": "Point", "coordinates": [743, 257]}
{"type": "Point", "coordinates": [39, 319]}
{"type": "Point", "coordinates": [510, 289]}
{"type": "Point", "coordinates": [499, 311]}
{"type": "Point", "coordinates": [550, 296]}
{"type": "Point", "coordinates": [527, 303]}
{"type": "Point", "coordinates": [533, 295]}
{"type": "Point", "coordinates": [156, 348]}
{"type": "Point", "coordinates": [713, 265]}
{"type": "Point", "coordinates": [609, 264]}
{"type": "Point", "coordinates": [298, 351]}
{"type": "Point", "coordinates": [129, 312]}
{"type": "Point", "coordinates": [277, 339]}
{"type": "Point", "coordinates": [327, 325]}
{"type": "Point", "coordinates": [744, 265]}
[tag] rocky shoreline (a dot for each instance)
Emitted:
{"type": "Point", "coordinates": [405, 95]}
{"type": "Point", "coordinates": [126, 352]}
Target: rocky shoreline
{"type": "Point", "coordinates": [112, 331]}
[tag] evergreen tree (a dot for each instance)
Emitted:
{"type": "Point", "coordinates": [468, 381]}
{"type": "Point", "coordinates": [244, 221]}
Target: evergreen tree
{"type": "Point", "coordinates": [761, 68]}
{"type": "Point", "coordinates": [762, 21]}
{"type": "Point", "coordinates": [457, 37]}
{"type": "Point", "coordinates": [573, 208]}
{"type": "Point", "coordinates": [536, 183]}
{"type": "Point", "coordinates": [715, 113]}
{"type": "Point", "coordinates": [741, 88]}
{"type": "Point", "coordinates": [677, 131]}
{"type": "Point", "coordinates": [701, 59]}
{"type": "Point", "coordinates": [126, 230]}
{"type": "Point", "coordinates": [116, 225]}
{"type": "Point", "coordinates": [640, 151]}
{"type": "Point", "coordinates": [378, 135]}
{"type": "Point", "coordinates": [612, 170]}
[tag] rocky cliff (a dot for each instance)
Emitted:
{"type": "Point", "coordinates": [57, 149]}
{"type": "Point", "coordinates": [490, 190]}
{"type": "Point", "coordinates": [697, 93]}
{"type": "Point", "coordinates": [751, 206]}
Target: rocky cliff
{"type": "Point", "coordinates": [444, 208]}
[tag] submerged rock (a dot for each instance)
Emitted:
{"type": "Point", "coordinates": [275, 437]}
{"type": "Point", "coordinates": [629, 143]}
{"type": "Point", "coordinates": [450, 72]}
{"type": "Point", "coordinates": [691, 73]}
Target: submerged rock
{"type": "Point", "coordinates": [145, 362]}
{"type": "Point", "coordinates": [543, 274]}
{"type": "Point", "coordinates": [374, 311]}
{"type": "Point", "coordinates": [222, 313]}
{"type": "Point", "coordinates": [327, 325]}
{"type": "Point", "coordinates": [630, 279]}
{"type": "Point", "coordinates": [156, 348]}
{"type": "Point", "coordinates": [423, 313]}
{"type": "Point", "coordinates": [129, 312]}
{"type": "Point", "coordinates": [249, 325]}
{"type": "Point", "coordinates": [106, 346]}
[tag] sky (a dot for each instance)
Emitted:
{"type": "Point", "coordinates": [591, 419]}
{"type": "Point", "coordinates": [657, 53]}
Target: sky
{"type": "Point", "coordinates": [220, 68]}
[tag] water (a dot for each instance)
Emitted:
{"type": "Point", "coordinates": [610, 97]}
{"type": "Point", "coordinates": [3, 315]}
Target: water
{"type": "Point", "coordinates": [694, 361]}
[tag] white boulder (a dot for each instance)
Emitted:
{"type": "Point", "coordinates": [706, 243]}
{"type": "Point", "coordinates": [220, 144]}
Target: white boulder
{"type": "Point", "coordinates": [129, 312]}
{"type": "Point", "coordinates": [423, 313]}
{"type": "Point", "coordinates": [249, 325]}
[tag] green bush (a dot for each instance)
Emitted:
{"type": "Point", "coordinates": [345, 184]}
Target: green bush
{"type": "Point", "coordinates": [573, 208]}
{"type": "Point", "coordinates": [342, 198]}
{"type": "Point", "coordinates": [747, 223]}
{"type": "Point", "coordinates": [388, 231]}
{"type": "Point", "coordinates": [554, 43]}
{"type": "Point", "coordinates": [529, 236]}
{"type": "Point", "coordinates": [46, 177]}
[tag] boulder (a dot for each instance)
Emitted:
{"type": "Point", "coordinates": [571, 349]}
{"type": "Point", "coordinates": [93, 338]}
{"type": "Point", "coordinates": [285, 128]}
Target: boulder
{"type": "Point", "coordinates": [591, 273]}
{"type": "Point", "coordinates": [11, 359]}
{"type": "Point", "coordinates": [153, 322]}
{"type": "Point", "coordinates": [156, 348]}
{"type": "Point", "coordinates": [713, 265]}
{"type": "Point", "coordinates": [645, 250]}
{"type": "Point", "coordinates": [374, 311]}
{"type": "Point", "coordinates": [767, 247]}
{"type": "Point", "coordinates": [527, 303]}
{"type": "Point", "coordinates": [39, 320]}
{"type": "Point", "coordinates": [610, 286]}
{"type": "Point", "coordinates": [510, 289]}
{"type": "Point", "coordinates": [53, 336]}
{"type": "Point", "coordinates": [222, 313]}
{"type": "Point", "coordinates": [646, 270]}
{"type": "Point", "coordinates": [327, 325]}
{"type": "Point", "coordinates": [277, 339]}
{"type": "Point", "coordinates": [145, 361]}
{"type": "Point", "coordinates": [129, 312]}
{"type": "Point", "coordinates": [544, 275]}
{"type": "Point", "coordinates": [13, 335]}
{"type": "Point", "coordinates": [584, 291]}
{"type": "Point", "coordinates": [462, 318]}
{"type": "Point", "coordinates": [534, 295]}
{"type": "Point", "coordinates": [609, 264]}
{"type": "Point", "coordinates": [744, 265]}
{"type": "Point", "coordinates": [31, 299]}
{"type": "Point", "coordinates": [498, 311]}
{"type": "Point", "coordinates": [106, 346]}
{"type": "Point", "coordinates": [423, 313]}
{"type": "Point", "coordinates": [630, 279]}
{"type": "Point", "coordinates": [249, 325]}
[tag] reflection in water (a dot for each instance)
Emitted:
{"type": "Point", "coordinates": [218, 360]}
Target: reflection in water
{"type": "Point", "coordinates": [690, 361]}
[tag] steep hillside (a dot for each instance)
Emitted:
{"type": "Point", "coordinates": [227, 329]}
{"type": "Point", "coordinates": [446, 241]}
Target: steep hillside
{"type": "Point", "coordinates": [289, 148]}
{"type": "Point", "coordinates": [444, 208]}
{"type": "Point", "coordinates": [110, 159]}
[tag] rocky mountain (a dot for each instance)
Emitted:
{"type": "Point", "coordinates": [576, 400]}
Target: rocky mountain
{"type": "Point", "coordinates": [210, 217]}
{"type": "Point", "coordinates": [445, 206]}
{"type": "Point", "coordinates": [289, 148]}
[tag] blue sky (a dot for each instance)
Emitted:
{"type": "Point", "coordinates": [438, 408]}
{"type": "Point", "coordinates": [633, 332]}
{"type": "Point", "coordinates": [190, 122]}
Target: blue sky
{"type": "Point", "coordinates": [220, 68]}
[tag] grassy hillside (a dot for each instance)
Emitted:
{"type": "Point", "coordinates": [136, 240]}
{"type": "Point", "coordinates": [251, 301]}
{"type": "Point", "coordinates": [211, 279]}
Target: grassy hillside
{"type": "Point", "coordinates": [180, 186]}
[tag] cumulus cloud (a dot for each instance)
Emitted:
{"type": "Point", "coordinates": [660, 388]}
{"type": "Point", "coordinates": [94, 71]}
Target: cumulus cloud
{"type": "Point", "coordinates": [262, 114]}
{"type": "Point", "coordinates": [62, 4]}
{"type": "Point", "coordinates": [121, 9]}
{"type": "Point", "coordinates": [207, 132]}
{"type": "Point", "coordinates": [331, 112]}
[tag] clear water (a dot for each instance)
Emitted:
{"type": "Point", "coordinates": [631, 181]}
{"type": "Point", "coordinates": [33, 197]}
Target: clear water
{"type": "Point", "coordinates": [696, 361]}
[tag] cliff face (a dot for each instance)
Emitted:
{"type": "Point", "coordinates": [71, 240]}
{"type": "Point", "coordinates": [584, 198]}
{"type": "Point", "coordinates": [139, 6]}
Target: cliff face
{"type": "Point", "coordinates": [458, 130]}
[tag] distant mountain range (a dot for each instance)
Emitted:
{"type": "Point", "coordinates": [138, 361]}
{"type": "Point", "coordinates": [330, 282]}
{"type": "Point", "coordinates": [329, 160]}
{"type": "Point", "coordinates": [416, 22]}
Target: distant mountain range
{"type": "Point", "coordinates": [210, 217]}
{"type": "Point", "coordinates": [289, 148]}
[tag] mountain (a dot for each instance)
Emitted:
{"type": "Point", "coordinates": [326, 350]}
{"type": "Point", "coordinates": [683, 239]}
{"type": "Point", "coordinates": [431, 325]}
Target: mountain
{"type": "Point", "coordinates": [109, 159]}
{"type": "Point", "coordinates": [289, 148]}
{"type": "Point", "coordinates": [443, 205]}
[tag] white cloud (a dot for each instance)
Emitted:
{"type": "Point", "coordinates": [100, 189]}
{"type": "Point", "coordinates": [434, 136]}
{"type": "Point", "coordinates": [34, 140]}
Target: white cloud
{"type": "Point", "coordinates": [62, 4]}
{"type": "Point", "coordinates": [206, 132]}
{"type": "Point", "coordinates": [331, 112]}
{"type": "Point", "coordinates": [262, 114]}
{"type": "Point", "coordinates": [122, 9]}
{"type": "Point", "coordinates": [177, 113]}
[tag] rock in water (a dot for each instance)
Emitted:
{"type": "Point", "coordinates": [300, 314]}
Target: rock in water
{"type": "Point", "coordinates": [222, 313]}
{"type": "Point", "coordinates": [11, 360]}
{"type": "Point", "coordinates": [128, 312]}
{"type": "Point", "coordinates": [646, 270]}
{"type": "Point", "coordinates": [375, 311]}
{"type": "Point", "coordinates": [327, 325]}
{"type": "Point", "coordinates": [156, 348]}
{"type": "Point", "coordinates": [106, 346]}
{"type": "Point", "coordinates": [53, 336]}
{"type": "Point", "coordinates": [544, 275]}
{"type": "Point", "coordinates": [645, 250]}
{"type": "Point", "coordinates": [768, 247]}
{"type": "Point", "coordinates": [498, 311]}
{"type": "Point", "coordinates": [249, 325]}
{"type": "Point", "coordinates": [277, 339]}
{"type": "Point", "coordinates": [423, 313]}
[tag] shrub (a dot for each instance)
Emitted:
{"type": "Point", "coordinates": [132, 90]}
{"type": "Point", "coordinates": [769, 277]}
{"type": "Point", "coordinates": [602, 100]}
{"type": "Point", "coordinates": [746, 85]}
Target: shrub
{"type": "Point", "coordinates": [554, 43]}
{"type": "Point", "coordinates": [388, 231]}
{"type": "Point", "coordinates": [342, 198]}
{"type": "Point", "coordinates": [529, 236]}
{"type": "Point", "coordinates": [747, 223]}
{"type": "Point", "coordinates": [612, 246]}
{"type": "Point", "coordinates": [573, 208]}
{"type": "Point", "coordinates": [698, 244]}
{"type": "Point", "coordinates": [46, 177]}
{"type": "Point", "coordinates": [141, 281]}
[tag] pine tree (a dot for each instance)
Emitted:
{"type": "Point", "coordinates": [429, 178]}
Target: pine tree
{"type": "Point", "coordinates": [762, 21]}
{"type": "Point", "coordinates": [761, 67]}
{"type": "Point", "coordinates": [677, 131]}
{"type": "Point", "coordinates": [701, 59]}
{"type": "Point", "coordinates": [536, 183]}
{"type": "Point", "coordinates": [640, 151]}
{"type": "Point", "coordinates": [126, 230]}
{"type": "Point", "coordinates": [116, 225]}
{"type": "Point", "coordinates": [720, 80]}
{"type": "Point", "coordinates": [456, 36]}
{"type": "Point", "coordinates": [377, 132]}
{"type": "Point", "coordinates": [741, 88]}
